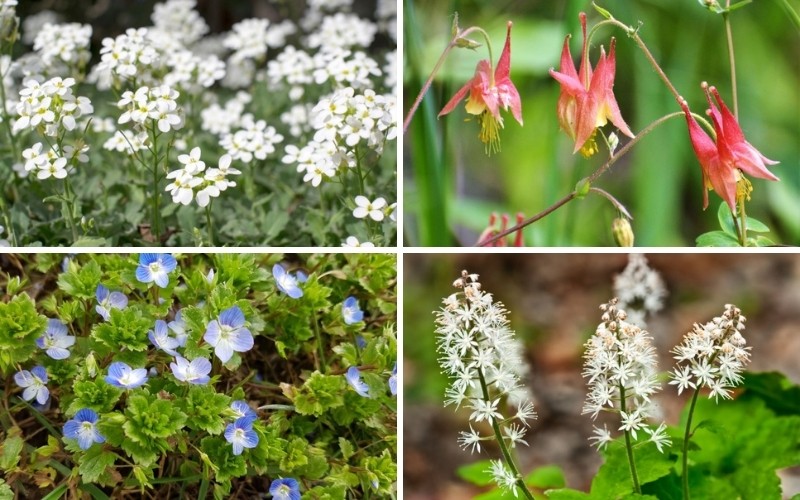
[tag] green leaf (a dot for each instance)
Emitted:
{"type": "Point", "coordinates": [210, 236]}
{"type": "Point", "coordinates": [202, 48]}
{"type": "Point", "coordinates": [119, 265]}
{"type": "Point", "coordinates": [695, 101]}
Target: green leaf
{"type": "Point", "coordinates": [203, 407]}
{"type": "Point", "coordinates": [567, 494]}
{"type": "Point", "coordinates": [319, 394]}
{"type": "Point", "coordinates": [614, 477]}
{"type": "Point", "coordinates": [20, 326]}
{"type": "Point", "coordinates": [779, 393]}
{"type": "Point", "coordinates": [96, 394]}
{"type": "Point", "coordinates": [11, 451]}
{"type": "Point", "coordinates": [549, 476]}
{"type": "Point", "coordinates": [126, 328]}
{"type": "Point", "coordinates": [94, 463]}
{"type": "Point", "coordinates": [87, 241]}
{"type": "Point", "coordinates": [476, 473]}
{"type": "Point", "coordinates": [756, 226]}
{"type": "Point", "coordinates": [716, 239]}
{"type": "Point", "coordinates": [725, 218]}
{"type": "Point", "coordinates": [81, 281]}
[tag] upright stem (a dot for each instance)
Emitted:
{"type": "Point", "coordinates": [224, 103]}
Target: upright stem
{"type": "Point", "coordinates": [686, 437]}
{"type": "Point", "coordinates": [729, 34]}
{"type": "Point", "coordinates": [209, 227]}
{"type": "Point", "coordinates": [7, 118]}
{"type": "Point", "coordinates": [319, 344]}
{"type": "Point", "coordinates": [156, 198]}
{"type": "Point", "coordinates": [792, 13]}
{"type": "Point", "coordinates": [69, 207]}
{"type": "Point", "coordinates": [498, 436]}
{"type": "Point", "coordinates": [628, 445]}
{"type": "Point", "coordinates": [742, 229]}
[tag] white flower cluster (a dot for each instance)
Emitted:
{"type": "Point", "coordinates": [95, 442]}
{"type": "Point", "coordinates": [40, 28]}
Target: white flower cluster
{"type": "Point", "coordinates": [220, 120]}
{"type": "Point", "coordinates": [129, 143]}
{"type": "Point", "coordinates": [713, 355]}
{"type": "Point", "coordinates": [194, 181]}
{"type": "Point", "coordinates": [296, 69]}
{"type": "Point", "coordinates": [254, 140]}
{"type": "Point", "coordinates": [49, 106]}
{"type": "Point", "coordinates": [32, 25]}
{"type": "Point", "coordinates": [157, 105]}
{"type": "Point", "coordinates": [250, 38]}
{"type": "Point", "coordinates": [191, 72]}
{"type": "Point", "coordinates": [343, 30]}
{"type": "Point", "coordinates": [64, 43]}
{"type": "Point", "coordinates": [479, 353]}
{"type": "Point", "coordinates": [53, 163]}
{"type": "Point", "coordinates": [130, 55]}
{"type": "Point", "coordinates": [640, 290]}
{"type": "Point", "coordinates": [350, 118]}
{"type": "Point", "coordinates": [620, 363]}
{"type": "Point", "coordinates": [179, 19]}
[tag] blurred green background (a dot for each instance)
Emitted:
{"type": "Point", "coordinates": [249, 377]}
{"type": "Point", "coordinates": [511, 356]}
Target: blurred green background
{"type": "Point", "coordinates": [451, 186]}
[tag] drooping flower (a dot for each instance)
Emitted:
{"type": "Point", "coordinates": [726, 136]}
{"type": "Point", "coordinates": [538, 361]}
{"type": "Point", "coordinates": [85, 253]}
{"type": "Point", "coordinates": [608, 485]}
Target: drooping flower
{"type": "Point", "coordinates": [83, 427]}
{"type": "Point", "coordinates": [241, 435]}
{"type": "Point", "coordinates": [123, 376]}
{"type": "Point", "coordinates": [160, 338]}
{"type": "Point", "coordinates": [724, 161]}
{"type": "Point", "coordinates": [351, 313]}
{"type": "Point", "coordinates": [56, 340]}
{"type": "Point", "coordinates": [107, 300]}
{"type": "Point", "coordinates": [488, 92]}
{"type": "Point", "coordinates": [587, 99]}
{"type": "Point", "coordinates": [155, 267]}
{"type": "Point", "coordinates": [285, 489]}
{"type": "Point", "coordinates": [353, 377]}
{"type": "Point", "coordinates": [286, 282]}
{"type": "Point", "coordinates": [35, 384]}
{"type": "Point", "coordinates": [194, 372]}
{"type": "Point", "coordinates": [228, 334]}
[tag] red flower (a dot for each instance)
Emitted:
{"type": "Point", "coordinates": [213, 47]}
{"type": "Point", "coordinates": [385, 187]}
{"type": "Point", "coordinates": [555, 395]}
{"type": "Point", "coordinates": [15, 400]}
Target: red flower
{"type": "Point", "coordinates": [488, 92]}
{"type": "Point", "coordinates": [587, 99]}
{"type": "Point", "coordinates": [724, 161]}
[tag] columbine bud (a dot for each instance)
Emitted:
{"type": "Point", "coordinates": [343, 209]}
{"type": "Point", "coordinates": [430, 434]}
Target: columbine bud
{"type": "Point", "coordinates": [623, 232]}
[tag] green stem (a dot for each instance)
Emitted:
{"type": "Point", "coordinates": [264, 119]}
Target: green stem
{"type": "Point", "coordinates": [686, 437]}
{"type": "Point", "coordinates": [574, 194]}
{"type": "Point", "coordinates": [628, 445]}
{"type": "Point", "coordinates": [68, 202]}
{"type": "Point", "coordinates": [450, 46]}
{"type": "Point", "coordinates": [209, 226]}
{"type": "Point", "coordinates": [501, 442]}
{"type": "Point", "coordinates": [320, 347]}
{"type": "Point", "coordinates": [793, 15]}
{"type": "Point", "coordinates": [7, 118]}
{"type": "Point", "coordinates": [742, 229]}
{"type": "Point", "coordinates": [729, 36]}
{"type": "Point", "coordinates": [156, 197]}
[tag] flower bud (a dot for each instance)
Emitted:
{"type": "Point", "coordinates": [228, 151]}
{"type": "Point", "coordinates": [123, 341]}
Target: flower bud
{"type": "Point", "coordinates": [9, 24]}
{"type": "Point", "coordinates": [623, 233]}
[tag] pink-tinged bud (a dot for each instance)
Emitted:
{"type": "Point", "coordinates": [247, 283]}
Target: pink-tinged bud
{"type": "Point", "coordinates": [492, 230]}
{"type": "Point", "coordinates": [723, 161]}
{"type": "Point", "coordinates": [587, 99]}
{"type": "Point", "coordinates": [488, 93]}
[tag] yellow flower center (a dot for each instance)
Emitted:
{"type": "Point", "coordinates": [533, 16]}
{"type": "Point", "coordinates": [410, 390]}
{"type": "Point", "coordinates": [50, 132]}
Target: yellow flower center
{"type": "Point", "coordinates": [490, 132]}
{"type": "Point", "coordinates": [743, 189]}
{"type": "Point", "coordinates": [589, 147]}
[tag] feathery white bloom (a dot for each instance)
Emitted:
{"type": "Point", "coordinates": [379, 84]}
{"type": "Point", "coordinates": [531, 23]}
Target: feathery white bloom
{"type": "Point", "coordinates": [640, 290]}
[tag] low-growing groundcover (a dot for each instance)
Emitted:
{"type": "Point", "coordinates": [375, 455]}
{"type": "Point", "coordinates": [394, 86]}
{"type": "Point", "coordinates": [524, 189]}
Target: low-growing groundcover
{"type": "Point", "coordinates": [259, 132]}
{"type": "Point", "coordinates": [188, 376]}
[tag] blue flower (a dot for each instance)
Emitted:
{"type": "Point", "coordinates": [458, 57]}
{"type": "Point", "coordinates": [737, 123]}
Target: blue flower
{"type": "Point", "coordinates": [106, 300]}
{"type": "Point", "coordinates": [393, 381]}
{"type": "Point", "coordinates": [361, 342]}
{"type": "Point", "coordinates": [286, 282]}
{"type": "Point", "coordinates": [285, 489]}
{"type": "Point", "coordinates": [179, 327]}
{"type": "Point", "coordinates": [353, 377]}
{"type": "Point", "coordinates": [83, 427]}
{"type": "Point", "coordinates": [123, 376]}
{"type": "Point", "coordinates": [194, 372]}
{"type": "Point", "coordinates": [161, 339]}
{"type": "Point", "coordinates": [242, 409]}
{"type": "Point", "coordinates": [351, 312]}
{"type": "Point", "coordinates": [227, 334]}
{"type": "Point", "coordinates": [241, 435]}
{"type": "Point", "coordinates": [155, 267]}
{"type": "Point", "coordinates": [56, 340]}
{"type": "Point", "coordinates": [34, 382]}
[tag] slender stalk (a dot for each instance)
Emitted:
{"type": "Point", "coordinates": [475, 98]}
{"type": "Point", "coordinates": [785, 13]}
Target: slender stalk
{"type": "Point", "coordinates": [450, 46]}
{"type": "Point", "coordinates": [726, 18]}
{"type": "Point", "coordinates": [156, 197]}
{"type": "Point", "coordinates": [793, 15]}
{"type": "Point", "coordinates": [742, 229]}
{"type": "Point", "coordinates": [7, 118]}
{"type": "Point", "coordinates": [319, 344]}
{"type": "Point", "coordinates": [209, 226]}
{"type": "Point", "coordinates": [686, 437]}
{"type": "Point", "coordinates": [597, 173]}
{"type": "Point", "coordinates": [501, 442]}
{"type": "Point", "coordinates": [69, 207]}
{"type": "Point", "coordinates": [628, 445]}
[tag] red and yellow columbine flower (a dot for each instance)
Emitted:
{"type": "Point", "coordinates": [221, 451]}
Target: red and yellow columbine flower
{"type": "Point", "coordinates": [488, 92]}
{"type": "Point", "coordinates": [587, 98]}
{"type": "Point", "coordinates": [724, 161]}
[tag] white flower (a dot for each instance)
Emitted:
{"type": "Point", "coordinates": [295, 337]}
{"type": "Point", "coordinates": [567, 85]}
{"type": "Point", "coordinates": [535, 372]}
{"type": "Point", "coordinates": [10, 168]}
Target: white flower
{"type": "Point", "coordinates": [601, 437]}
{"type": "Point", "coordinates": [352, 241]}
{"type": "Point", "coordinates": [470, 439]}
{"type": "Point", "coordinates": [659, 436]}
{"type": "Point", "coordinates": [373, 209]}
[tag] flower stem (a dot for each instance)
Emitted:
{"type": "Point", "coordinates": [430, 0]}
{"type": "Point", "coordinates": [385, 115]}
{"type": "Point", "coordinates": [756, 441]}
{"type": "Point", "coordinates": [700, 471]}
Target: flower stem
{"type": "Point", "coordinates": [452, 44]}
{"type": "Point", "coordinates": [501, 442]}
{"type": "Point", "coordinates": [156, 198]}
{"type": "Point", "coordinates": [7, 118]}
{"type": "Point", "coordinates": [628, 445]}
{"type": "Point", "coordinates": [686, 437]}
{"type": "Point", "coordinates": [319, 344]}
{"type": "Point", "coordinates": [729, 35]}
{"type": "Point", "coordinates": [69, 209]}
{"type": "Point", "coordinates": [209, 226]}
{"type": "Point", "coordinates": [742, 228]}
{"type": "Point", "coordinates": [791, 13]}
{"type": "Point", "coordinates": [597, 173]}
